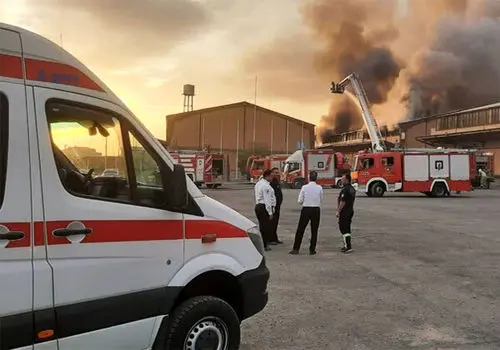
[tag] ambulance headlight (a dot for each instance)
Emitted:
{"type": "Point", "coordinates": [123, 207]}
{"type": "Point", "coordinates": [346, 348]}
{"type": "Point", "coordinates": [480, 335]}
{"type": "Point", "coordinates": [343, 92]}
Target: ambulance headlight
{"type": "Point", "coordinates": [256, 238]}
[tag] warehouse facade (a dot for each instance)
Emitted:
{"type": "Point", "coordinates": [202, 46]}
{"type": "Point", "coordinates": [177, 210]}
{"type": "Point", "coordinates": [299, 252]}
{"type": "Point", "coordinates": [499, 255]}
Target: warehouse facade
{"type": "Point", "coordinates": [476, 128]}
{"type": "Point", "coordinates": [238, 130]}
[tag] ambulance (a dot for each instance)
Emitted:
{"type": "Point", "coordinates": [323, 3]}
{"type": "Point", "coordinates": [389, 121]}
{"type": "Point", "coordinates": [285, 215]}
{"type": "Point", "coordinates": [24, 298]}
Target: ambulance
{"type": "Point", "coordinates": [139, 260]}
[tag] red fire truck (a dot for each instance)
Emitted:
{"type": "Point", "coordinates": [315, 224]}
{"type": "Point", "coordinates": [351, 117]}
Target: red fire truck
{"type": "Point", "coordinates": [202, 167]}
{"type": "Point", "coordinates": [435, 172]}
{"type": "Point", "coordinates": [329, 165]}
{"type": "Point", "coordinates": [259, 164]}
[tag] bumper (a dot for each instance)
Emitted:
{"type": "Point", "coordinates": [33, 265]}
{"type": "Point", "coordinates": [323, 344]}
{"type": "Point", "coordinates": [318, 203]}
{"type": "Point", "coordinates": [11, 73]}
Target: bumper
{"type": "Point", "coordinates": [253, 286]}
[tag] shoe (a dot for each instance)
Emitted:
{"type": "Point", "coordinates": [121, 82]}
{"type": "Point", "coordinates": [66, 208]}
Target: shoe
{"type": "Point", "coordinates": [294, 252]}
{"type": "Point", "coordinates": [313, 252]}
{"type": "Point", "coordinates": [267, 249]}
{"type": "Point", "coordinates": [279, 242]}
{"type": "Point", "coordinates": [273, 243]}
{"type": "Point", "coordinates": [346, 250]}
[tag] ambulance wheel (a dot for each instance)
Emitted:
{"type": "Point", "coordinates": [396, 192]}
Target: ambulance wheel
{"type": "Point", "coordinates": [439, 190]}
{"type": "Point", "coordinates": [203, 322]}
{"type": "Point", "coordinates": [377, 189]}
{"type": "Point", "coordinates": [339, 183]}
{"type": "Point", "coordinates": [211, 186]}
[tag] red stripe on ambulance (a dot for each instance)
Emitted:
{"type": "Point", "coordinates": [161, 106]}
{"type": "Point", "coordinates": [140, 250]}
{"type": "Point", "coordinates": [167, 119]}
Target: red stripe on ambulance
{"type": "Point", "coordinates": [11, 67]}
{"type": "Point", "coordinates": [126, 231]}
{"type": "Point", "coordinates": [58, 73]}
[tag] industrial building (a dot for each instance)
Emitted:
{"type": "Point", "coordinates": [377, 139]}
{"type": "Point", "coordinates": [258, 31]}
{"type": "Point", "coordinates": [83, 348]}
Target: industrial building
{"type": "Point", "coordinates": [476, 128]}
{"type": "Point", "coordinates": [238, 130]}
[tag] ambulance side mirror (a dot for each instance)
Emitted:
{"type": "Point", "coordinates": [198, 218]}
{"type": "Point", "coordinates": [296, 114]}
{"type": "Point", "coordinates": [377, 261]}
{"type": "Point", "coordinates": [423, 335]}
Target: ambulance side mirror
{"type": "Point", "coordinates": [178, 198]}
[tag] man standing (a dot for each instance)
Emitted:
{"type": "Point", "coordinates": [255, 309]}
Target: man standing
{"type": "Point", "coordinates": [310, 196]}
{"type": "Point", "coordinates": [275, 184]}
{"type": "Point", "coordinates": [265, 201]}
{"type": "Point", "coordinates": [483, 178]}
{"type": "Point", "coordinates": [345, 211]}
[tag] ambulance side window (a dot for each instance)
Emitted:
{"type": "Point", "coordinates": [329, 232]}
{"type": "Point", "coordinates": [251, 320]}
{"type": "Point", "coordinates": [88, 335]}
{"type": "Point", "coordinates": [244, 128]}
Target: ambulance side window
{"type": "Point", "coordinates": [4, 141]}
{"type": "Point", "coordinates": [89, 151]}
{"type": "Point", "coordinates": [146, 169]}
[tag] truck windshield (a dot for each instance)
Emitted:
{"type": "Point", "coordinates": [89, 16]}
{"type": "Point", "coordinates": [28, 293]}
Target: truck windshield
{"type": "Point", "coordinates": [289, 167]}
{"type": "Point", "coordinates": [355, 164]}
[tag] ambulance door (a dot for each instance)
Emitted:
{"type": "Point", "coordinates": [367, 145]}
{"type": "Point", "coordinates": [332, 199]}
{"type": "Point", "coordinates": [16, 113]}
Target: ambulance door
{"type": "Point", "coordinates": [112, 243]}
{"type": "Point", "coordinates": [16, 223]}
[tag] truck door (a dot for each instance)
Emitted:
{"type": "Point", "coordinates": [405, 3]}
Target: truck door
{"type": "Point", "coordinates": [112, 245]}
{"type": "Point", "coordinates": [16, 218]}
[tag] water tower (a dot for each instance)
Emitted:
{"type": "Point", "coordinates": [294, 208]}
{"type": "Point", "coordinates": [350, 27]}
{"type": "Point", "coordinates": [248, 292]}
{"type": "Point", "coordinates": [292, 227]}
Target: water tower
{"type": "Point", "coordinates": [188, 93]}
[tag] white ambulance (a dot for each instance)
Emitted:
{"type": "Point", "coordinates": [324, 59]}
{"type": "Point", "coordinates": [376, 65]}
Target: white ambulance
{"type": "Point", "coordinates": [140, 259]}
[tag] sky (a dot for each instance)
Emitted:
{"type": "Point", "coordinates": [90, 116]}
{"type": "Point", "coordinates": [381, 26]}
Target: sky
{"type": "Point", "coordinates": [145, 51]}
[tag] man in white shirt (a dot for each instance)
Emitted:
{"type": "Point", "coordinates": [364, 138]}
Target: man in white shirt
{"type": "Point", "coordinates": [310, 196]}
{"type": "Point", "coordinates": [483, 178]}
{"type": "Point", "coordinates": [265, 202]}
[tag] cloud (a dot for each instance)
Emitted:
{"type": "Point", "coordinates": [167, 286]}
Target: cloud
{"type": "Point", "coordinates": [116, 33]}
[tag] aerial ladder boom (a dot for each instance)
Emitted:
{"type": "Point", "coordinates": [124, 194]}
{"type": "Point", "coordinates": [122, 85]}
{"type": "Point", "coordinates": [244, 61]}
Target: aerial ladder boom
{"type": "Point", "coordinates": [369, 120]}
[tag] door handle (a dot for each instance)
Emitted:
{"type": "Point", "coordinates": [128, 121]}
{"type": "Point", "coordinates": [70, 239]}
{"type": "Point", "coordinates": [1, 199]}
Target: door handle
{"type": "Point", "coordinates": [12, 236]}
{"type": "Point", "coordinates": [65, 232]}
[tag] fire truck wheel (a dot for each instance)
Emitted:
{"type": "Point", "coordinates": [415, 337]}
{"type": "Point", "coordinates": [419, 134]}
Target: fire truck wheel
{"type": "Point", "coordinates": [298, 184]}
{"type": "Point", "coordinates": [210, 186]}
{"type": "Point", "coordinates": [439, 190]}
{"type": "Point", "coordinates": [377, 189]}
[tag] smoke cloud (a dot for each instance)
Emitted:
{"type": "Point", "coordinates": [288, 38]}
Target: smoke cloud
{"type": "Point", "coordinates": [441, 55]}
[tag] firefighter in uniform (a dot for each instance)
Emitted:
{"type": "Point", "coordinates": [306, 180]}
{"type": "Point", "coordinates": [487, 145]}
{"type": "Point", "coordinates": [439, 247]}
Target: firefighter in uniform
{"type": "Point", "coordinates": [265, 202]}
{"type": "Point", "coordinates": [345, 211]}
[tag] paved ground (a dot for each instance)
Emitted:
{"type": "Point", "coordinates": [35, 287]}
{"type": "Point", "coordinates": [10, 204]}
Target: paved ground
{"type": "Point", "coordinates": [424, 275]}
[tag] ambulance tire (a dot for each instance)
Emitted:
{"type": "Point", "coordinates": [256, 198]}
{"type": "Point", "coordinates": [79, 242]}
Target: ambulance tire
{"type": "Point", "coordinates": [377, 189]}
{"type": "Point", "coordinates": [210, 186]}
{"type": "Point", "coordinates": [196, 317]}
{"type": "Point", "coordinates": [339, 184]}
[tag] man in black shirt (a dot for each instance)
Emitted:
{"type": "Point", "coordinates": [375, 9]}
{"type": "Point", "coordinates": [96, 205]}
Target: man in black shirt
{"type": "Point", "coordinates": [275, 184]}
{"type": "Point", "coordinates": [345, 211]}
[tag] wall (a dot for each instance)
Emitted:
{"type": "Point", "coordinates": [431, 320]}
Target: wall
{"type": "Point", "coordinates": [411, 134]}
{"type": "Point", "coordinates": [219, 127]}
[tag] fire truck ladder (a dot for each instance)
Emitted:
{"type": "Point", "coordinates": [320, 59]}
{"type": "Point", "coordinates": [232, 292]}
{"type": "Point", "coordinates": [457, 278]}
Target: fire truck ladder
{"type": "Point", "coordinates": [370, 123]}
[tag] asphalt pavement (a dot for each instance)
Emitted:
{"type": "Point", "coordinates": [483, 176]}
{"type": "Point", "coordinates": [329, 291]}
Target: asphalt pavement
{"type": "Point", "coordinates": [424, 274]}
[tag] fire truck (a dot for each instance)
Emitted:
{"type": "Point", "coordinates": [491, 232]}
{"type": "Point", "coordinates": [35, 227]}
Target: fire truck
{"type": "Point", "coordinates": [202, 167]}
{"type": "Point", "coordinates": [259, 164]}
{"type": "Point", "coordinates": [329, 165]}
{"type": "Point", "coordinates": [434, 172]}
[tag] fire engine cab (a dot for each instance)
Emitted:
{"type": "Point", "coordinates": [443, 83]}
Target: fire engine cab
{"type": "Point", "coordinates": [434, 172]}
{"type": "Point", "coordinates": [138, 258]}
{"type": "Point", "coordinates": [261, 163]}
{"type": "Point", "coordinates": [329, 165]}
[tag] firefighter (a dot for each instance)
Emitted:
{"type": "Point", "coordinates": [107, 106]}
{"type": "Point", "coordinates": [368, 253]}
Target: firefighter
{"type": "Point", "coordinates": [311, 197]}
{"type": "Point", "coordinates": [345, 211]}
{"type": "Point", "coordinates": [265, 202]}
{"type": "Point", "coordinates": [483, 178]}
{"type": "Point", "coordinates": [275, 184]}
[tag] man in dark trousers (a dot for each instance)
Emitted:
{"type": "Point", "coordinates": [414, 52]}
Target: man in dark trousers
{"type": "Point", "coordinates": [311, 196]}
{"type": "Point", "coordinates": [275, 184]}
{"type": "Point", "coordinates": [345, 211]}
{"type": "Point", "coordinates": [265, 202]}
